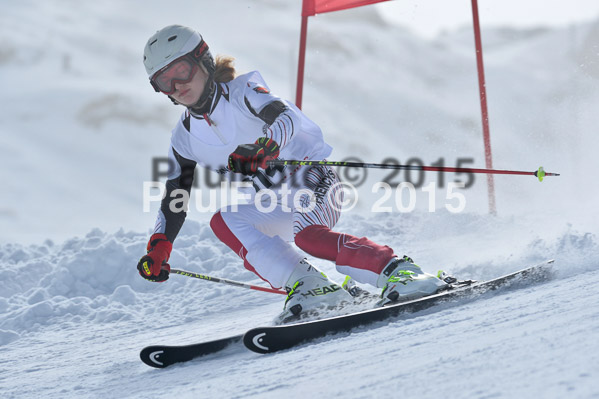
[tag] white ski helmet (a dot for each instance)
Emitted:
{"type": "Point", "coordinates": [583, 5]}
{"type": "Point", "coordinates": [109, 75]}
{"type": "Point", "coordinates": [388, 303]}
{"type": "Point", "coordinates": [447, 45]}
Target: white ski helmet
{"type": "Point", "coordinates": [173, 42]}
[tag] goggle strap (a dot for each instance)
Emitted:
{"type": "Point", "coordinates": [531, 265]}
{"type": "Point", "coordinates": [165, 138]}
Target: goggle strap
{"type": "Point", "coordinates": [199, 51]}
{"type": "Point", "coordinates": [154, 85]}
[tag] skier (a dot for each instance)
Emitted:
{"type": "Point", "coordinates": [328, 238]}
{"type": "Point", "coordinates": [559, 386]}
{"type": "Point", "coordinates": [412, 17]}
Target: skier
{"type": "Point", "coordinates": [235, 125]}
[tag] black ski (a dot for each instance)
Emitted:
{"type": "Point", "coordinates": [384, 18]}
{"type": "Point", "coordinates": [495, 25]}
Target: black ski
{"type": "Point", "coordinates": [272, 339]}
{"type": "Point", "coordinates": [161, 356]}
{"type": "Point", "coordinates": [276, 338]}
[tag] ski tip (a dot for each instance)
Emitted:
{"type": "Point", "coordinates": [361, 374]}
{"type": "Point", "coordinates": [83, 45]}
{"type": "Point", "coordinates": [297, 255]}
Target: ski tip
{"type": "Point", "coordinates": [152, 356]}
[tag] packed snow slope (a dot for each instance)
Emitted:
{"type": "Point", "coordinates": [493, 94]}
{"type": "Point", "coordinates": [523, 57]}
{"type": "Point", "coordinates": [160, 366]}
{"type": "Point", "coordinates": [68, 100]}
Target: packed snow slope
{"type": "Point", "coordinates": [79, 126]}
{"type": "Point", "coordinates": [76, 314]}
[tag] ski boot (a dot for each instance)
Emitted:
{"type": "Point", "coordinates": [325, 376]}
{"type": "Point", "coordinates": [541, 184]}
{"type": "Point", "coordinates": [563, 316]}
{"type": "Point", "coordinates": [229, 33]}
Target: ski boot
{"type": "Point", "coordinates": [309, 289]}
{"type": "Point", "coordinates": [449, 279]}
{"type": "Point", "coordinates": [402, 280]}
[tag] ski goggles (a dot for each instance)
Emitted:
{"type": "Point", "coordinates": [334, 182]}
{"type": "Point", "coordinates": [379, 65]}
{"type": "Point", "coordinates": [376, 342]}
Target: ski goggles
{"type": "Point", "coordinates": [179, 71]}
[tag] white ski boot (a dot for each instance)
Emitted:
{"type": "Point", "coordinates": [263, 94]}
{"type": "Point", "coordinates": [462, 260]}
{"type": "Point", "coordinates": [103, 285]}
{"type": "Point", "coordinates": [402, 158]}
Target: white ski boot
{"type": "Point", "coordinates": [308, 289]}
{"type": "Point", "coordinates": [402, 280]}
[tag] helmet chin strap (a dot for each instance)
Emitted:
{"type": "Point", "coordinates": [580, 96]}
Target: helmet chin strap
{"type": "Point", "coordinates": [203, 105]}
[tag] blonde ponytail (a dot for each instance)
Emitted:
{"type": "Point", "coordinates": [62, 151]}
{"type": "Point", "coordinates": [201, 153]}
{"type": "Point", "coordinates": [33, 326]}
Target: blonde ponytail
{"type": "Point", "coordinates": [225, 70]}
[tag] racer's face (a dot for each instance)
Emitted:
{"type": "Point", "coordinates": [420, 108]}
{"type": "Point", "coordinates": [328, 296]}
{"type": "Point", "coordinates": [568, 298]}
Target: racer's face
{"type": "Point", "coordinates": [189, 93]}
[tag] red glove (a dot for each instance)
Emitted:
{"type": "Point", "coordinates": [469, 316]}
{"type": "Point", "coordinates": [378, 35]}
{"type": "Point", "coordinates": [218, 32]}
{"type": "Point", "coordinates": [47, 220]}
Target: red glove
{"type": "Point", "coordinates": [153, 266]}
{"type": "Point", "coordinates": [247, 158]}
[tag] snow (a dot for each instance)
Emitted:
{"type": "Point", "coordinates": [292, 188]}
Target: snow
{"type": "Point", "coordinates": [79, 126]}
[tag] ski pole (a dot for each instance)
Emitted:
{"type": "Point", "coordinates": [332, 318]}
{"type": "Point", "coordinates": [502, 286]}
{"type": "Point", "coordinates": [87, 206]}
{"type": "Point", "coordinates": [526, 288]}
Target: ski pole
{"type": "Point", "coordinates": [539, 173]}
{"type": "Point", "coordinates": [225, 281]}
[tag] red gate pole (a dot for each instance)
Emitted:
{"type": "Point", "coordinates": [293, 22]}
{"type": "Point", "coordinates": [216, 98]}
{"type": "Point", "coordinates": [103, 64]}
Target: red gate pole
{"type": "Point", "coordinates": [483, 105]}
{"type": "Point", "coordinates": [301, 62]}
